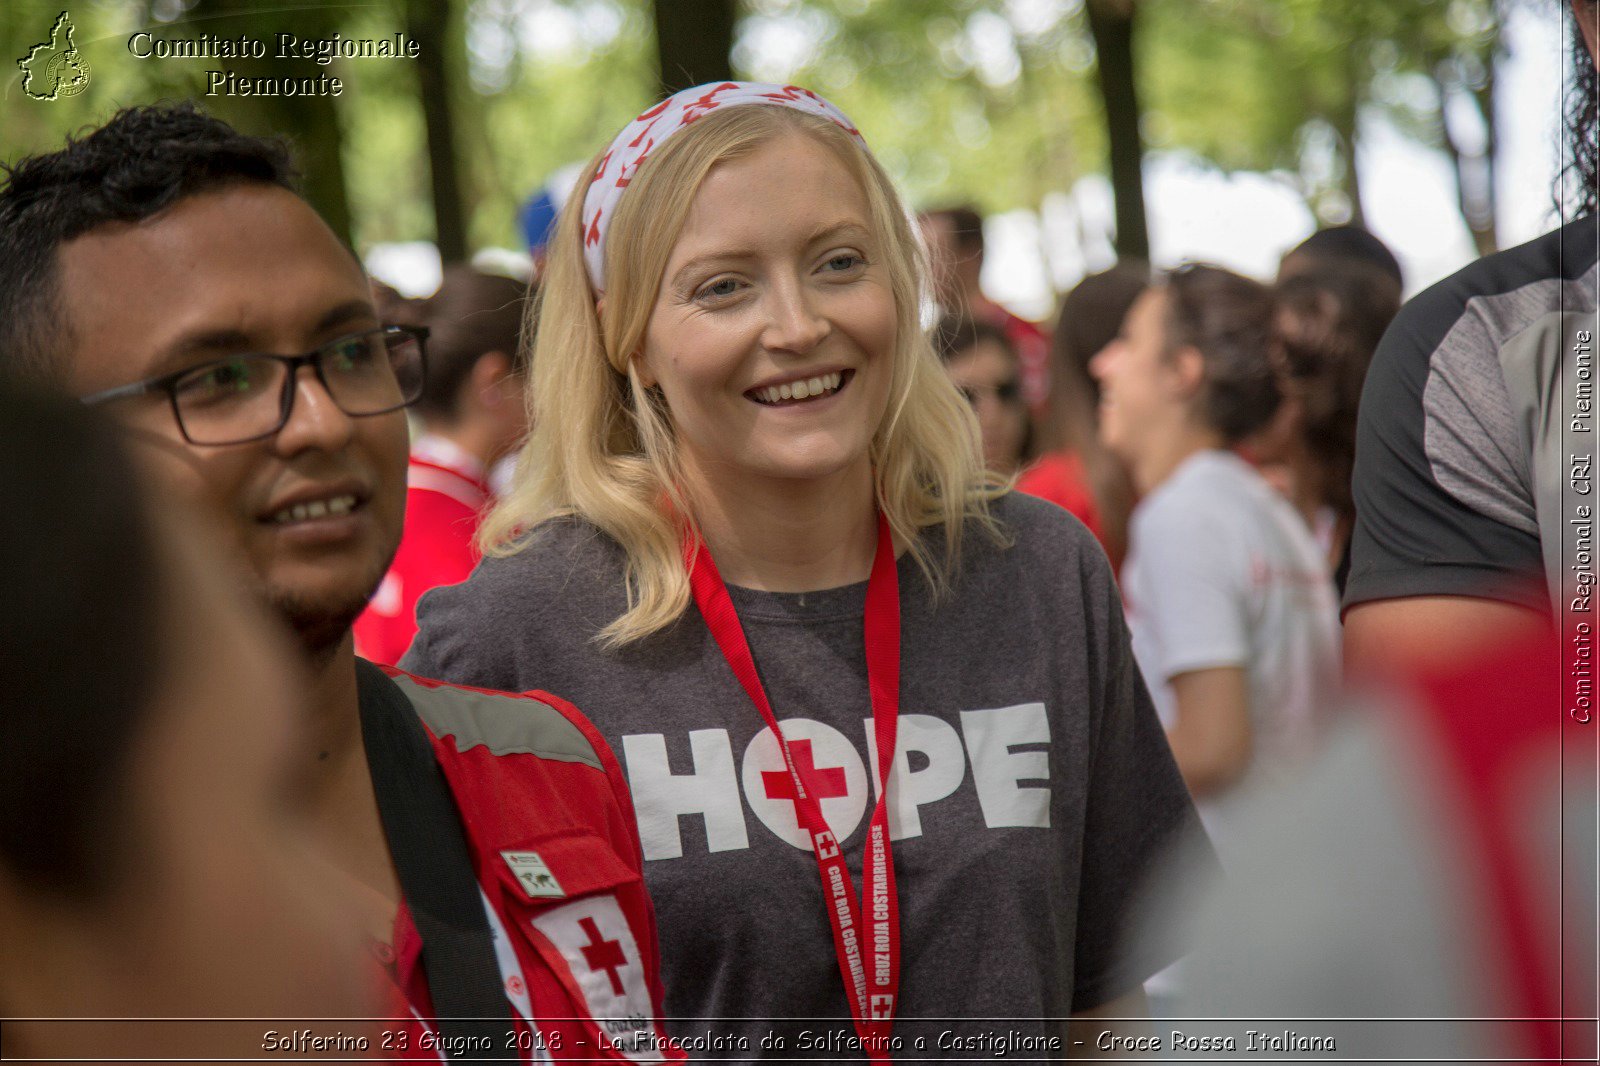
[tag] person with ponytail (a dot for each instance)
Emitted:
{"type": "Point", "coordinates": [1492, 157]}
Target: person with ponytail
{"type": "Point", "coordinates": [889, 750]}
{"type": "Point", "coordinates": [1232, 609]}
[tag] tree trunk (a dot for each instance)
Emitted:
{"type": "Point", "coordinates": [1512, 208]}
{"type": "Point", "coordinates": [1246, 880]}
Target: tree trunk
{"type": "Point", "coordinates": [309, 123]}
{"type": "Point", "coordinates": [694, 41]}
{"type": "Point", "coordinates": [1111, 23]}
{"type": "Point", "coordinates": [1346, 123]}
{"type": "Point", "coordinates": [428, 21]}
{"type": "Point", "coordinates": [1474, 191]}
{"type": "Point", "coordinates": [1474, 172]}
{"type": "Point", "coordinates": [1485, 233]}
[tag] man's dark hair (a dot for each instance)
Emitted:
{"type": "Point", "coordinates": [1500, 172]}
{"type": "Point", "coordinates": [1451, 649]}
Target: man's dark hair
{"type": "Point", "coordinates": [1229, 320]}
{"type": "Point", "coordinates": [82, 621]}
{"type": "Point", "coordinates": [966, 227]}
{"type": "Point", "coordinates": [470, 316]}
{"type": "Point", "coordinates": [1348, 243]}
{"type": "Point", "coordinates": [137, 165]}
{"type": "Point", "coordinates": [1579, 193]}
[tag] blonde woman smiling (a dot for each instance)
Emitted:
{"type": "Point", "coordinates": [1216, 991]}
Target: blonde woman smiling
{"type": "Point", "coordinates": [890, 753]}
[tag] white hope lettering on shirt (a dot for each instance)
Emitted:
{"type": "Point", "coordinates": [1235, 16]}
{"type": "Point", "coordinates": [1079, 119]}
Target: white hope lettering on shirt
{"type": "Point", "coordinates": [1011, 786]}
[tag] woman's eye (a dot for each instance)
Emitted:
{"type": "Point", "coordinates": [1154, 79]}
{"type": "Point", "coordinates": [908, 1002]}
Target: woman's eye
{"type": "Point", "coordinates": [844, 261]}
{"type": "Point", "coordinates": [721, 288]}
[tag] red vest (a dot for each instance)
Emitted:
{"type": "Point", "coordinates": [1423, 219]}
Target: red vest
{"type": "Point", "coordinates": [551, 830]}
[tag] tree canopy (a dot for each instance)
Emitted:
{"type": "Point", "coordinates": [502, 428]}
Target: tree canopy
{"type": "Point", "coordinates": [995, 102]}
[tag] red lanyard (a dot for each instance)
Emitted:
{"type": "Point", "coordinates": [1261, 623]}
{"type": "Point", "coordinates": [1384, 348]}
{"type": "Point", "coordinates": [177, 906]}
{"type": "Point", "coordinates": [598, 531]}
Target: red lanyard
{"type": "Point", "coordinates": [873, 982]}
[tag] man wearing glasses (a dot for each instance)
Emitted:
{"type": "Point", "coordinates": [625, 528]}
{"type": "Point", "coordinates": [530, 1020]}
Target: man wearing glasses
{"type": "Point", "coordinates": [162, 269]}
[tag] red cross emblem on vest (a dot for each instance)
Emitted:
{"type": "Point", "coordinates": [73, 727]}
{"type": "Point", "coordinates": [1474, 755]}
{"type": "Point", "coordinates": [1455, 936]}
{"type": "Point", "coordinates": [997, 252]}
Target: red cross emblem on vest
{"type": "Point", "coordinates": [602, 954]}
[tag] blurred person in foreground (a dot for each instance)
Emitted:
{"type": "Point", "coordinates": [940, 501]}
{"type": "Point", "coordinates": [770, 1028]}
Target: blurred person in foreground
{"type": "Point", "coordinates": [1232, 611]}
{"type": "Point", "coordinates": [472, 415]}
{"type": "Point", "coordinates": [954, 239]}
{"type": "Point", "coordinates": [1411, 896]}
{"type": "Point", "coordinates": [1475, 444]}
{"type": "Point", "coordinates": [154, 860]}
{"type": "Point", "coordinates": [983, 363]}
{"type": "Point", "coordinates": [1073, 459]}
{"type": "Point", "coordinates": [162, 268]}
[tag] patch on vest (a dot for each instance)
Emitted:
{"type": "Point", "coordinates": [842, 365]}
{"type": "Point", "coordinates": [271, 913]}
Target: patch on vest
{"type": "Point", "coordinates": [593, 937]}
{"type": "Point", "coordinates": [532, 873]}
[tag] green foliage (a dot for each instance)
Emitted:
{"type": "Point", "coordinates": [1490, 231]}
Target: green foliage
{"type": "Point", "coordinates": [540, 112]}
{"type": "Point", "coordinates": [521, 113]}
{"type": "Point", "coordinates": [963, 100]}
{"type": "Point", "coordinates": [100, 34]}
{"type": "Point", "coordinates": [991, 101]}
{"type": "Point", "coordinates": [1247, 84]}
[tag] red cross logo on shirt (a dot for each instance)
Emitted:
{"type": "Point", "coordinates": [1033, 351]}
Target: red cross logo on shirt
{"type": "Point", "coordinates": [603, 954]}
{"type": "Point", "coordinates": [821, 782]}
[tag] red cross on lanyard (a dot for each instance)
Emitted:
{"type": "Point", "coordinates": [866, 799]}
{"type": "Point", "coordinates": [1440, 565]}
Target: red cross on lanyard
{"type": "Point", "coordinates": [826, 783]}
{"type": "Point", "coordinates": [866, 927]}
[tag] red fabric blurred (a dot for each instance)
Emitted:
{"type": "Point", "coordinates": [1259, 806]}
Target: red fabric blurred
{"type": "Point", "coordinates": [1060, 478]}
{"type": "Point", "coordinates": [446, 494]}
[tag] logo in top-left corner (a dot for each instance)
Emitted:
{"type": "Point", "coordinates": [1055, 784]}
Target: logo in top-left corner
{"type": "Point", "coordinates": [55, 68]}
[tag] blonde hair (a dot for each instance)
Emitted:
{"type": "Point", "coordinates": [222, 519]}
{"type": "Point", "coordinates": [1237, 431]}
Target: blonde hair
{"type": "Point", "coordinates": [602, 446]}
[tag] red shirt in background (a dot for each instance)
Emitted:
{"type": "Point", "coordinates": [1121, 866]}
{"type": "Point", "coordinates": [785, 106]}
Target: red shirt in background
{"type": "Point", "coordinates": [446, 494]}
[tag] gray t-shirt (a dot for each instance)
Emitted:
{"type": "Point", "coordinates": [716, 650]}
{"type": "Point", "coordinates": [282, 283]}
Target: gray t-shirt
{"type": "Point", "coordinates": [1033, 790]}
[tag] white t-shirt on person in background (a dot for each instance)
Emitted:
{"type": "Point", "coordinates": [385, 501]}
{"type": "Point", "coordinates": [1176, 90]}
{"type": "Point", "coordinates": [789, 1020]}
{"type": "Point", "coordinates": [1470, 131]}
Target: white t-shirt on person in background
{"type": "Point", "coordinates": [1222, 572]}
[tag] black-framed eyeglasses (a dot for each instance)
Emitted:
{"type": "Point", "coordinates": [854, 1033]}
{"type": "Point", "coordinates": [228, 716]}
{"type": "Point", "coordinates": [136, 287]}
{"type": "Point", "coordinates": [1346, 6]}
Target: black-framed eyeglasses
{"type": "Point", "coordinates": [249, 397]}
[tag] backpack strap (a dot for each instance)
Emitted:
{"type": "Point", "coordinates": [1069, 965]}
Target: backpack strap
{"type": "Point", "coordinates": [423, 828]}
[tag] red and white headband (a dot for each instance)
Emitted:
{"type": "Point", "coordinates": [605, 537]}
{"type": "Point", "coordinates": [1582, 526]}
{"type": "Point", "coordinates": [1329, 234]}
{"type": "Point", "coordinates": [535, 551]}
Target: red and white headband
{"type": "Point", "coordinates": [647, 132]}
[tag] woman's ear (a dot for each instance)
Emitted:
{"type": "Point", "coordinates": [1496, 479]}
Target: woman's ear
{"type": "Point", "coordinates": [1189, 369]}
{"type": "Point", "coordinates": [489, 378]}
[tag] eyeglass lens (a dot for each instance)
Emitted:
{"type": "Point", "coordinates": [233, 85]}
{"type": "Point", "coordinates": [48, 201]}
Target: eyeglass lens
{"type": "Point", "coordinates": [243, 398]}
